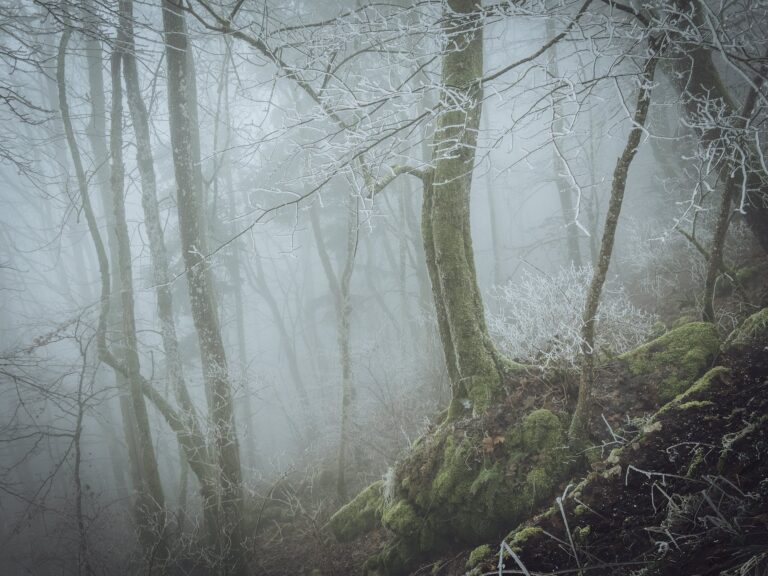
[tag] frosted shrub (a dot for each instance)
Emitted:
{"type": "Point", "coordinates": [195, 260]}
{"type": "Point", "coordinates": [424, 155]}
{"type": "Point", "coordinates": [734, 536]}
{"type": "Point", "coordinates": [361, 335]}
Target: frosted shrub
{"type": "Point", "coordinates": [537, 318]}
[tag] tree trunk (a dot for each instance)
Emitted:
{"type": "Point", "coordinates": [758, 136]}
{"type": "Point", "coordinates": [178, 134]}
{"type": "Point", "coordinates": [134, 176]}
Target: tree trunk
{"type": "Point", "coordinates": [185, 144]}
{"type": "Point", "coordinates": [344, 312]}
{"type": "Point", "coordinates": [579, 428]}
{"type": "Point", "coordinates": [193, 442]}
{"type": "Point", "coordinates": [83, 560]}
{"type": "Point", "coordinates": [732, 185]}
{"type": "Point", "coordinates": [97, 139]}
{"type": "Point", "coordinates": [223, 168]}
{"type": "Point", "coordinates": [470, 356]}
{"type": "Point", "coordinates": [339, 286]}
{"type": "Point", "coordinates": [151, 496]}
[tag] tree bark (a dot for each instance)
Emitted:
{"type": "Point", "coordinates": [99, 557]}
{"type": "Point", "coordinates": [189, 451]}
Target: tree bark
{"type": "Point", "coordinates": [344, 314]}
{"type": "Point", "coordinates": [97, 139]}
{"type": "Point", "coordinates": [339, 286]}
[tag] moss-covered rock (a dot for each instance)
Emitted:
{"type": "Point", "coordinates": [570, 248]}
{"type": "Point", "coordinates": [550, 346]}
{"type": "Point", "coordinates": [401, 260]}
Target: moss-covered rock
{"type": "Point", "coordinates": [359, 516]}
{"type": "Point", "coordinates": [691, 398]}
{"type": "Point", "coordinates": [460, 485]}
{"type": "Point", "coordinates": [675, 360]}
{"type": "Point", "coordinates": [753, 333]}
{"type": "Point", "coordinates": [478, 555]}
{"type": "Point", "coordinates": [401, 519]}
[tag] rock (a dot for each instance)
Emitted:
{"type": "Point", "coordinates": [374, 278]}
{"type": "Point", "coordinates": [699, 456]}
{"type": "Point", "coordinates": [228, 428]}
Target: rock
{"type": "Point", "coordinates": [753, 333]}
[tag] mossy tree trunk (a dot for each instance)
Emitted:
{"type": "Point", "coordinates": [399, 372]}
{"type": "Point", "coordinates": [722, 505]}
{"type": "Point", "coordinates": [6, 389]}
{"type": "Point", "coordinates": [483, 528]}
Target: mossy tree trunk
{"type": "Point", "coordinates": [471, 358]}
{"type": "Point", "coordinates": [579, 429]}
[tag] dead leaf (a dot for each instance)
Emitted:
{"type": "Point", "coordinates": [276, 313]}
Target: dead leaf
{"type": "Point", "coordinates": [490, 442]}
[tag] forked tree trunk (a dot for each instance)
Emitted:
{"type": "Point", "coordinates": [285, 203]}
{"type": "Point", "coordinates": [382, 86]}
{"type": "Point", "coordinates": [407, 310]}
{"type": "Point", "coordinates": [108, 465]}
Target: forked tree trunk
{"type": "Point", "coordinates": [149, 499]}
{"type": "Point", "coordinates": [97, 139]}
{"type": "Point", "coordinates": [192, 439]}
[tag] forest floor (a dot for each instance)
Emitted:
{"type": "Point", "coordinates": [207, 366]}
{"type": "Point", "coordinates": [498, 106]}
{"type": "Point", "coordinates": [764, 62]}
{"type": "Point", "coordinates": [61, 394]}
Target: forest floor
{"type": "Point", "coordinates": [685, 493]}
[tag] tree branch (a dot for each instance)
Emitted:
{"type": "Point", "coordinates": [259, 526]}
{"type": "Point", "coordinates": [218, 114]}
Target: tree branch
{"type": "Point", "coordinates": [541, 50]}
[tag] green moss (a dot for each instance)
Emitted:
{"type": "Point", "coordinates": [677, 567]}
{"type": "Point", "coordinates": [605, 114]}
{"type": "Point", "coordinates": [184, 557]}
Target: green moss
{"type": "Point", "coordinates": [612, 472]}
{"type": "Point", "coordinates": [657, 330]}
{"type": "Point", "coordinates": [753, 333]}
{"type": "Point", "coordinates": [482, 390]}
{"type": "Point", "coordinates": [455, 475]}
{"type": "Point", "coordinates": [401, 519]}
{"type": "Point", "coordinates": [541, 429]}
{"type": "Point", "coordinates": [486, 477]}
{"type": "Point", "coordinates": [359, 516]}
{"type": "Point", "coordinates": [581, 534]}
{"type": "Point", "coordinates": [675, 359]}
{"type": "Point", "coordinates": [613, 457]}
{"type": "Point", "coordinates": [518, 538]}
{"type": "Point", "coordinates": [478, 555]}
{"type": "Point", "coordinates": [700, 388]}
{"type": "Point", "coordinates": [703, 384]}
{"type": "Point", "coordinates": [392, 560]}
{"type": "Point", "coordinates": [450, 490]}
{"type": "Point", "coordinates": [695, 405]}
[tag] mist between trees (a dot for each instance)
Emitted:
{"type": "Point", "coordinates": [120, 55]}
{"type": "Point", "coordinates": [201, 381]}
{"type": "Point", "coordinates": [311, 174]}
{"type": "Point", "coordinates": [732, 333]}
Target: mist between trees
{"type": "Point", "coordinates": [252, 251]}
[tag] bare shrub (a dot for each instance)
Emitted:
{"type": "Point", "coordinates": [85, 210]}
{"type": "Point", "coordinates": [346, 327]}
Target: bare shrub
{"type": "Point", "coordinates": [537, 317]}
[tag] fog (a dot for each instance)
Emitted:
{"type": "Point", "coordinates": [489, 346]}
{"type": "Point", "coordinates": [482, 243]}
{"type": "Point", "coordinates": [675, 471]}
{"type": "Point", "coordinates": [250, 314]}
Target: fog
{"type": "Point", "coordinates": [275, 319]}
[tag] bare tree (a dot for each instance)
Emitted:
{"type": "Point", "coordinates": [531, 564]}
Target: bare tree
{"type": "Point", "coordinates": [186, 157]}
{"type": "Point", "coordinates": [579, 428]}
